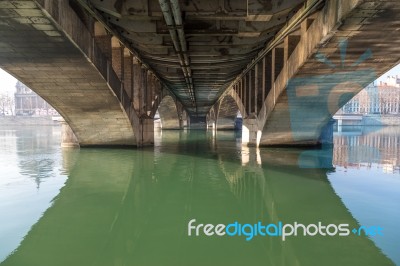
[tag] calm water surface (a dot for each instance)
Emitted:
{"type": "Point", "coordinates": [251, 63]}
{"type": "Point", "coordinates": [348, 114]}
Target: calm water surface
{"type": "Point", "coordinates": [132, 207]}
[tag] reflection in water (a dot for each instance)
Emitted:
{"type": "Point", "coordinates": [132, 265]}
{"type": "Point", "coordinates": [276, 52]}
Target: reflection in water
{"type": "Point", "coordinates": [131, 207]}
{"type": "Point", "coordinates": [379, 149]}
{"type": "Point", "coordinates": [367, 178]}
{"type": "Point", "coordinates": [30, 178]}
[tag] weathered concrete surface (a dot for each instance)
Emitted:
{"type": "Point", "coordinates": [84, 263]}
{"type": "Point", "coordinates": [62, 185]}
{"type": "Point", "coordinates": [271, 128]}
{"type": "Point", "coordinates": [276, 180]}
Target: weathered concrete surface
{"type": "Point", "coordinates": [46, 46]}
{"type": "Point", "coordinates": [309, 90]}
{"type": "Point", "coordinates": [250, 132]}
{"type": "Point", "coordinates": [68, 138]}
{"type": "Point", "coordinates": [169, 113]}
{"type": "Point", "coordinates": [146, 131]}
{"type": "Point", "coordinates": [224, 113]}
{"type": "Point", "coordinates": [227, 113]}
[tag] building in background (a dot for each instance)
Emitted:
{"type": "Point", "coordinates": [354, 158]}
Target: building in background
{"type": "Point", "coordinates": [28, 103]}
{"type": "Point", "coordinates": [377, 98]}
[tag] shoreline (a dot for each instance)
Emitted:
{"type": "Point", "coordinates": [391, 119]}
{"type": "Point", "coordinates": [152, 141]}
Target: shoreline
{"type": "Point", "coordinates": [28, 121]}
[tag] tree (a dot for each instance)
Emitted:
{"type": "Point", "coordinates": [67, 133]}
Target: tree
{"type": "Point", "coordinates": [11, 105]}
{"type": "Point", "coordinates": [3, 104]}
{"type": "Point", "coordinates": [6, 104]}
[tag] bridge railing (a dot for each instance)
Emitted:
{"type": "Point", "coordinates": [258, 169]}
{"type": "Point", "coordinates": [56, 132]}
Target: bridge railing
{"type": "Point", "coordinates": [105, 68]}
{"type": "Point", "coordinates": [68, 20]}
{"type": "Point", "coordinates": [99, 59]}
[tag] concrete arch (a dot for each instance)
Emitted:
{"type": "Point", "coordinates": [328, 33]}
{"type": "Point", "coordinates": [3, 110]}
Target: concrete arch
{"type": "Point", "coordinates": [228, 109]}
{"type": "Point", "coordinates": [169, 113]}
{"type": "Point", "coordinates": [227, 113]}
{"type": "Point", "coordinates": [70, 71]}
{"type": "Point", "coordinates": [239, 102]}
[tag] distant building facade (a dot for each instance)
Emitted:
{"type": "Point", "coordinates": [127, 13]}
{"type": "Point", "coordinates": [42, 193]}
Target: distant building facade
{"type": "Point", "coordinates": [28, 103]}
{"type": "Point", "coordinates": [382, 98]}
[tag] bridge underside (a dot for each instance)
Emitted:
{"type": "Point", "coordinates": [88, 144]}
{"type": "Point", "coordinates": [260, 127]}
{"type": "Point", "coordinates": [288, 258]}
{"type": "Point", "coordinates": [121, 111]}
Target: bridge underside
{"type": "Point", "coordinates": [346, 56]}
{"type": "Point", "coordinates": [196, 48]}
{"type": "Point", "coordinates": [296, 87]}
{"type": "Point", "coordinates": [287, 67]}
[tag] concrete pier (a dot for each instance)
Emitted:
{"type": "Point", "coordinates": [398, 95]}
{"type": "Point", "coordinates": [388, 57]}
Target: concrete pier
{"type": "Point", "coordinates": [68, 138]}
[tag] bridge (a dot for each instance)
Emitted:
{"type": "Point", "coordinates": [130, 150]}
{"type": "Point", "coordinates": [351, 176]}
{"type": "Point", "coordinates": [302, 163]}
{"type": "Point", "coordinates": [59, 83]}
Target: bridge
{"type": "Point", "coordinates": [108, 66]}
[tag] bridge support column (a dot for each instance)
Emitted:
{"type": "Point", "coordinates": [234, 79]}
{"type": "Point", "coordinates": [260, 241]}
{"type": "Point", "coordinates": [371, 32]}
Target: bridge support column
{"type": "Point", "coordinates": [146, 132]}
{"type": "Point", "coordinates": [211, 124]}
{"type": "Point", "coordinates": [181, 123]}
{"type": "Point", "coordinates": [326, 137]}
{"type": "Point", "coordinates": [68, 138]}
{"type": "Point", "coordinates": [251, 135]}
{"type": "Point", "coordinates": [179, 109]}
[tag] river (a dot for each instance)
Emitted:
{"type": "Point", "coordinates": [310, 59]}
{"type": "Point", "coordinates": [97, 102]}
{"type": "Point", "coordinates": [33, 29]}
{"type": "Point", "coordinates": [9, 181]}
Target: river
{"type": "Point", "coordinates": [98, 206]}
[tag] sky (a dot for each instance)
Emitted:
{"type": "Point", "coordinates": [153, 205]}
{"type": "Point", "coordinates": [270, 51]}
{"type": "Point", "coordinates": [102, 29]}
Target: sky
{"type": "Point", "coordinates": [393, 72]}
{"type": "Point", "coordinates": [7, 82]}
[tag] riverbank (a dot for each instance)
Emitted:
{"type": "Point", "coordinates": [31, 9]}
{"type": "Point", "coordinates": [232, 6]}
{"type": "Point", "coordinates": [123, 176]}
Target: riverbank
{"type": "Point", "coordinates": [381, 120]}
{"type": "Point", "coordinates": [367, 120]}
{"type": "Point", "coordinates": [27, 121]}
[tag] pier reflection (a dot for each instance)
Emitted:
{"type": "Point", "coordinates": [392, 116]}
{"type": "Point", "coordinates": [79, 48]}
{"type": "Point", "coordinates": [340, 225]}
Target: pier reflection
{"type": "Point", "coordinates": [131, 207]}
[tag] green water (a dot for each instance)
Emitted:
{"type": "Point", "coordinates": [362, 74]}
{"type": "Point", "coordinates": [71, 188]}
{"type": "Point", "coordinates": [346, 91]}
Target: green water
{"type": "Point", "coordinates": [132, 207]}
